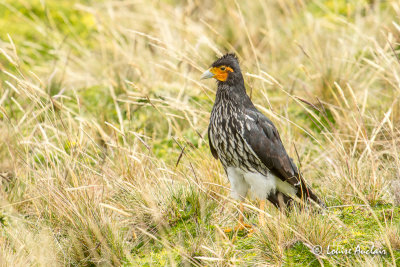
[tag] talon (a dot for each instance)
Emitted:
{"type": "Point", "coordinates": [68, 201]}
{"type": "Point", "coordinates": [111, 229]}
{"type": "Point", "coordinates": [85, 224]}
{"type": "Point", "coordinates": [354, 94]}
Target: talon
{"type": "Point", "coordinates": [248, 225]}
{"type": "Point", "coordinates": [242, 226]}
{"type": "Point", "coordinates": [239, 228]}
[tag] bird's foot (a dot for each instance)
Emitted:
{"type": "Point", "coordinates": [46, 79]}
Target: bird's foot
{"type": "Point", "coordinates": [240, 227]}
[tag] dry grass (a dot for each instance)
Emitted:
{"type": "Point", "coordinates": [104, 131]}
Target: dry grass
{"type": "Point", "coordinates": [103, 152]}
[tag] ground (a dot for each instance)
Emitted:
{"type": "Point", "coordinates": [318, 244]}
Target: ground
{"type": "Point", "coordinates": [104, 156]}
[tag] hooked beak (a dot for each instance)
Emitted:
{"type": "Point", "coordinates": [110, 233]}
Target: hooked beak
{"type": "Point", "coordinates": [207, 74]}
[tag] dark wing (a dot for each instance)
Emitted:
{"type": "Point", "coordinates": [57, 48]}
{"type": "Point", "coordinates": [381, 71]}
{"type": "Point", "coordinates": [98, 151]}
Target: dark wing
{"type": "Point", "coordinates": [263, 138]}
{"type": "Point", "coordinates": [213, 151]}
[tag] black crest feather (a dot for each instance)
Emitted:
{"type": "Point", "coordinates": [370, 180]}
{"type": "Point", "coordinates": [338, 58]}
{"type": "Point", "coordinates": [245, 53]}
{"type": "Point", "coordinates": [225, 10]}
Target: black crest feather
{"type": "Point", "coordinates": [229, 59]}
{"type": "Point", "coordinates": [230, 55]}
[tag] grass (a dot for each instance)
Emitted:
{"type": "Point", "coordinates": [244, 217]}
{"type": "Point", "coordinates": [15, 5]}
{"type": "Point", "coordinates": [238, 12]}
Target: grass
{"type": "Point", "coordinates": [104, 156]}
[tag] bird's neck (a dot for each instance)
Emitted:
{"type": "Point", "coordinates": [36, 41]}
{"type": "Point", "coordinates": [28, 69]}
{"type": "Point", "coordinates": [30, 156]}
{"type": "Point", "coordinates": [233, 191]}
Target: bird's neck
{"type": "Point", "coordinates": [235, 94]}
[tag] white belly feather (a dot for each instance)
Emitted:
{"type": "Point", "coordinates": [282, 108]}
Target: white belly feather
{"type": "Point", "coordinates": [260, 185]}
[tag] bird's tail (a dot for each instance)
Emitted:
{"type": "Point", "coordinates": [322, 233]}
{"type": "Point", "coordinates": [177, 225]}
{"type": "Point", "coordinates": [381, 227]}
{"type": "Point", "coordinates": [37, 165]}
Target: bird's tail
{"type": "Point", "coordinates": [305, 193]}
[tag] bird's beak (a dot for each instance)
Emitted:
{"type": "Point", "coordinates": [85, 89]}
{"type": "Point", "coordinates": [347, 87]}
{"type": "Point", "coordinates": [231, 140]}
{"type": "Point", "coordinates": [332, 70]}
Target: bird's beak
{"type": "Point", "coordinates": [207, 74]}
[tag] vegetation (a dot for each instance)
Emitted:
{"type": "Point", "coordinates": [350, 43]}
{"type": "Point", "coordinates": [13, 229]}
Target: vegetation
{"type": "Point", "coordinates": [104, 158]}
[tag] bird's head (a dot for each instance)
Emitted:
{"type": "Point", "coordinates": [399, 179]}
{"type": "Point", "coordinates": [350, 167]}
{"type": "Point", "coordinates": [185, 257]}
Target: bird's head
{"type": "Point", "coordinates": [225, 70]}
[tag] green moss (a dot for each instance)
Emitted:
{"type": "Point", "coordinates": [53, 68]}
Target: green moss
{"type": "Point", "coordinates": [397, 257]}
{"type": "Point", "coordinates": [63, 15]}
{"type": "Point", "coordinates": [56, 22]}
{"type": "Point", "coordinates": [337, 7]}
{"type": "Point", "coordinates": [299, 255]}
{"type": "Point", "coordinates": [3, 220]}
{"type": "Point", "coordinates": [160, 258]}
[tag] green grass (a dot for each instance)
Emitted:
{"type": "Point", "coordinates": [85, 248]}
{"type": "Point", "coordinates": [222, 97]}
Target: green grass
{"type": "Point", "coordinates": [104, 156]}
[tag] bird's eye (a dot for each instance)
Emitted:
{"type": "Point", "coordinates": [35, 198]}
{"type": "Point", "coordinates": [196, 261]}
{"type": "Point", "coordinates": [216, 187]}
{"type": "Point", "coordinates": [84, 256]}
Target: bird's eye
{"type": "Point", "coordinates": [222, 68]}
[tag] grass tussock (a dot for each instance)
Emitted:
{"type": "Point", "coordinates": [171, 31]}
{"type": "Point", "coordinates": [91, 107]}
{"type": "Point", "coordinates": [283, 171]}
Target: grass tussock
{"type": "Point", "coordinates": [104, 157]}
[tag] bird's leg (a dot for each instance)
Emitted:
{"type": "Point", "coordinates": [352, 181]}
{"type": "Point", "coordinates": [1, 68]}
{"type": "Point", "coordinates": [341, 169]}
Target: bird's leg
{"type": "Point", "coordinates": [241, 224]}
{"type": "Point", "coordinates": [241, 216]}
{"type": "Point", "coordinates": [261, 218]}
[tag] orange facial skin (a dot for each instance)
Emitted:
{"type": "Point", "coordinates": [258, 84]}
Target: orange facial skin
{"type": "Point", "coordinates": [221, 72]}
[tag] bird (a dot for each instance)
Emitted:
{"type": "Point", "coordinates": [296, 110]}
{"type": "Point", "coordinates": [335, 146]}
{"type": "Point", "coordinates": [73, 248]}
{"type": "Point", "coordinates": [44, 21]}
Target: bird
{"type": "Point", "coordinates": [249, 146]}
